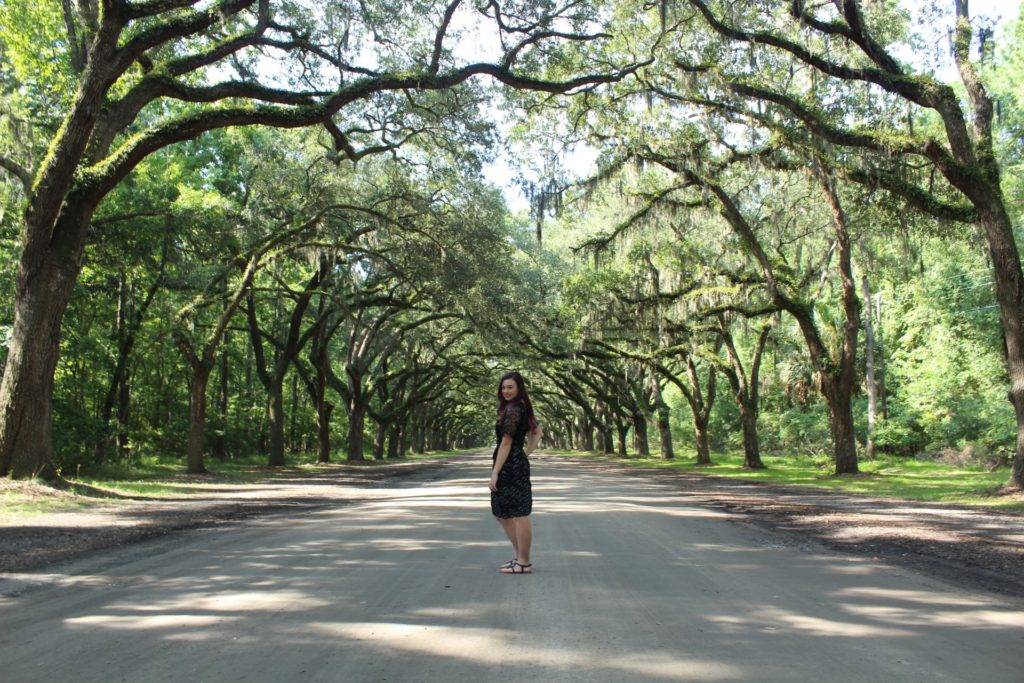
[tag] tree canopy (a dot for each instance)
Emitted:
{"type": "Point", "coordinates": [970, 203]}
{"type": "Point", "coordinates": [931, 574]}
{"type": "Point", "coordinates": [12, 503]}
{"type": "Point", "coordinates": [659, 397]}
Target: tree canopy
{"type": "Point", "coordinates": [223, 221]}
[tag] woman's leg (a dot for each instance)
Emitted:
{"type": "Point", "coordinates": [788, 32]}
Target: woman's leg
{"type": "Point", "coordinates": [524, 538]}
{"type": "Point", "coordinates": [508, 525]}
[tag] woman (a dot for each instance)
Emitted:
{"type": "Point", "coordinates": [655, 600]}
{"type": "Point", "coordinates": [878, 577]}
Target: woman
{"type": "Point", "coordinates": [511, 492]}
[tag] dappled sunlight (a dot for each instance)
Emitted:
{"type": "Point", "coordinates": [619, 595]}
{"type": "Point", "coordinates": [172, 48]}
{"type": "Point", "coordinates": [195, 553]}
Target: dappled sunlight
{"type": "Point", "coordinates": [231, 601]}
{"type": "Point", "coordinates": [777, 619]}
{"type": "Point", "coordinates": [919, 597]}
{"type": "Point", "coordinates": [144, 621]}
{"type": "Point", "coordinates": [468, 612]}
{"type": "Point", "coordinates": [630, 585]}
{"type": "Point", "coordinates": [495, 647]}
{"type": "Point", "coordinates": [980, 618]}
{"type": "Point", "coordinates": [854, 569]}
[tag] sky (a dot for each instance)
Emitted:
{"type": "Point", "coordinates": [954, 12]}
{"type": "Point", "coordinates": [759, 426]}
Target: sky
{"type": "Point", "coordinates": [581, 161]}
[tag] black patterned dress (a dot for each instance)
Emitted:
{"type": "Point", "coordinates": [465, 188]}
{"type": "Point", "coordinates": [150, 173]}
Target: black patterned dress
{"type": "Point", "coordinates": [514, 497]}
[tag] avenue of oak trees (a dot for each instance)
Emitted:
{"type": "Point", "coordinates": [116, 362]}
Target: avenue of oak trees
{"type": "Point", "coordinates": [773, 161]}
{"type": "Point", "coordinates": [148, 74]}
{"type": "Point", "coordinates": [227, 220]}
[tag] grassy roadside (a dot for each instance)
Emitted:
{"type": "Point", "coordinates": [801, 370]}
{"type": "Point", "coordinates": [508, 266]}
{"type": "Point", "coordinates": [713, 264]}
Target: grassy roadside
{"type": "Point", "coordinates": [886, 476]}
{"type": "Point", "coordinates": [157, 477]}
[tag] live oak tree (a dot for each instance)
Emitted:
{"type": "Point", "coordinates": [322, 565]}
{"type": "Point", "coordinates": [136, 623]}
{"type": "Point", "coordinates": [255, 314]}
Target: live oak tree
{"type": "Point", "coordinates": [835, 367]}
{"type": "Point", "coordinates": [287, 335]}
{"type": "Point", "coordinates": [152, 73]}
{"type": "Point", "coordinates": [199, 348]}
{"type": "Point", "coordinates": [614, 341]}
{"type": "Point", "coordinates": [937, 154]}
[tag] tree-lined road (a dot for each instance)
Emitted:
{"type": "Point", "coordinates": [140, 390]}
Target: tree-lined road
{"type": "Point", "coordinates": [630, 584]}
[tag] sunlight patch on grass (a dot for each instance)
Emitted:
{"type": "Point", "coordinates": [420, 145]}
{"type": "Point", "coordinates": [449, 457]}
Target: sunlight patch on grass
{"type": "Point", "coordinates": [33, 496]}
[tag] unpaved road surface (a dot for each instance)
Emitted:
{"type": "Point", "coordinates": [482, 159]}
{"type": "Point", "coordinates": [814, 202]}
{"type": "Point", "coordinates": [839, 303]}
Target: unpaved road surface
{"type": "Point", "coordinates": [633, 583]}
{"type": "Point", "coordinates": [29, 541]}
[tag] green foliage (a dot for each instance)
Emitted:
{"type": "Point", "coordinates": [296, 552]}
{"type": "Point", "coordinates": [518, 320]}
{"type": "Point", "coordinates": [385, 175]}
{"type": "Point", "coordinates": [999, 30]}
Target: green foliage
{"type": "Point", "coordinates": [948, 373]}
{"type": "Point", "coordinates": [35, 44]}
{"type": "Point", "coordinates": [797, 430]}
{"type": "Point", "coordinates": [899, 437]}
{"type": "Point", "coordinates": [419, 241]}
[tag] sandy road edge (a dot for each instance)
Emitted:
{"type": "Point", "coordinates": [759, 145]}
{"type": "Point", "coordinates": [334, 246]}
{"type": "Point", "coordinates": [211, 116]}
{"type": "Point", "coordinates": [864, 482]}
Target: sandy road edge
{"type": "Point", "coordinates": [29, 548]}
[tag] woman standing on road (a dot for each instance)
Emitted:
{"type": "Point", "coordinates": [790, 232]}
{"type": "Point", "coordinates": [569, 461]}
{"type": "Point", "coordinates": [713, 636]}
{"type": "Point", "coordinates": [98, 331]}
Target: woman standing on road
{"type": "Point", "coordinates": [511, 491]}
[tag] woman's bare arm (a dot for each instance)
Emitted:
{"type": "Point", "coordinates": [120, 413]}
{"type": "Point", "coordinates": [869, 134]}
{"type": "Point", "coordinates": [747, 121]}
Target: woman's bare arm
{"type": "Point", "coordinates": [499, 461]}
{"type": "Point", "coordinates": [533, 440]}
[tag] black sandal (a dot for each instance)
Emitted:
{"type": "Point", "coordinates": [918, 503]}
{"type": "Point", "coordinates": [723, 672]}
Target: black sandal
{"type": "Point", "coordinates": [522, 568]}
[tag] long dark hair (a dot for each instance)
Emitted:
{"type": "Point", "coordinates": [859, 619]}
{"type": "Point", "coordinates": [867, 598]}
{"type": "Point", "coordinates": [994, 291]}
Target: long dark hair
{"type": "Point", "coordinates": [521, 397]}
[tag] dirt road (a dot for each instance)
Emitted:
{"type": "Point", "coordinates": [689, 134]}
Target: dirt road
{"type": "Point", "coordinates": [631, 583]}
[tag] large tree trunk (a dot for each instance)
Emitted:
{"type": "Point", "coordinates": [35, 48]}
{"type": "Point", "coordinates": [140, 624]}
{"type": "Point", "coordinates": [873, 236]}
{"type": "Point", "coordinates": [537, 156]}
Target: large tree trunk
{"type": "Point", "coordinates": [664, 430]}
{"type": "Point", "coordinates": [622, 428]}
{"type": "Point", "coordinates": [378, 442]}
{"type": "Point", "coordinates": [840, 413]}
{"type": "Point", "coordinates": [401, 438]}
{"type": "Point", "coordinates": [700, 431]}
{"type": "Point", "coordinates": [979, 179]}
{"type": "Point", "coordinates": [355, 434]}
{"type": "Point", "coordinates": [751, 442]}
{"type": "Point", "coordinates": [662, 413]}
{"type": "Point", "coordinates": [323, 429]}
{"type": "Point", "coordinates": [586, 434]}
{"type": "Point", "coordinates": [293, 415]}
{"type": "Point", "coordinates": [47, 273]}
{"type": "Point", "coordinates": [197, 420]}
{"type": "Point", "coordinates": [275, 423]}
{"type": "Point", "coordinates": [1009, 281]}
{"type": "Point", "coordinates": [837, 385]}
{"type": "Point", "coordinates": [393, 440]}
{"type": "Point", "coordinates": [53, 238]}
{"type": "Point", "coordinates": [26, 448]}
{"type": "Point", "coordinates": [640, 442]}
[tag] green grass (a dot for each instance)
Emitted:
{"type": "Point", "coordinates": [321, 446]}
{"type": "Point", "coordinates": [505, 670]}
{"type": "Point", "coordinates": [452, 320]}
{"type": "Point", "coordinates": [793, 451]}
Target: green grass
{"type": "Point", "coordinates": [156, 477]}
{"type": "Point", "coordinates": [886, 476]}
{"type": "Point", "coordinates": [29, 500]}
